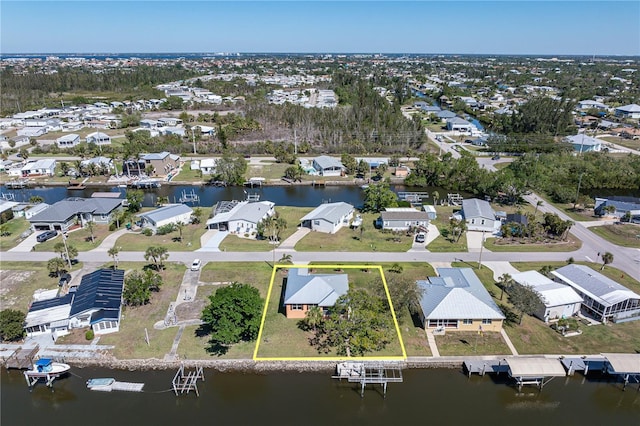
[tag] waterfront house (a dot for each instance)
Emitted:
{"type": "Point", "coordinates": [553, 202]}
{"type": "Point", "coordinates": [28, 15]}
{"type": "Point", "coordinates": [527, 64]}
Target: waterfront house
{"type": "Point", "coordinates": [100, 162]}
{"type": "Point", "coordinates": [240, 217]}
{"type": "Point", "coordinates": [304, 290]}
{"type": "Point", "coordinates": [458, 124]}
{"type": "Point", "coordinates": [207, 166]}
{"type": "Point", "coordinates": [43, 167]}
{"type": "Point", "coordinates": [456, 300]}
{"type": "Point", "coordinates": [97, 302]}
{"type": "Point", "coordinates": [445, 115]}
{"type": "Point", "coordinates": [68, 141]}
{"type": "Point", "coordinates": [99, 138]}
{"type": "Point", "coordinates": [49, 315]}
{"type": "Point", "coordinates": [403, 218]}
{"type": "Point", "coordinates": [555, 300]}
{"type": "Point", "coordinates": [622, 206]}
{"type": "Point", "coordinates": [628, 111]}
{"type": "Point", "coordinates": [160, 163]}
{"type": "Point", "coordinates": [582, 143]}
{"type": "Point", "coordinates": [328, 166]}
{"type": "Point", "coordinates": [479, 215]}
{"type": "Point", "coordinates": [71, 211]}
{"type": "Point", "coordinates": [328, 218]}
{"type": "Point", "coordinates": [603, 298]}
{"type": "Point", "coordinates": [166, 215]}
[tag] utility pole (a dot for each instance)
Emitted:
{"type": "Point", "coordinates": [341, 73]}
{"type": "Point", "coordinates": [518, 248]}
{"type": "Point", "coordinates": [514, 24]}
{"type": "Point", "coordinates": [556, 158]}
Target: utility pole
{"type": "Point", "coordinates": [295, 142]}
{"type": "Point", "coordinates": [481, 247]}
{"type": "Point", "coordinates": [66, 249]}
{"type": "Point", "coordinates": [578, 191]}
{"type": "Point", "coordinates": [193, 138]}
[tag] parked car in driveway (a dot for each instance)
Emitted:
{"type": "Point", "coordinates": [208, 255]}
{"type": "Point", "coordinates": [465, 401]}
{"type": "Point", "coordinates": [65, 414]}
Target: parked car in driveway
{"type": "Point", "coordinates": [420, 238]}
{"type": "Point", "coordinates": [47, 235]}
{"type": "Point", "coordinates": [196, 265]}
{"type": "Point", "coordinates": [495, 157]}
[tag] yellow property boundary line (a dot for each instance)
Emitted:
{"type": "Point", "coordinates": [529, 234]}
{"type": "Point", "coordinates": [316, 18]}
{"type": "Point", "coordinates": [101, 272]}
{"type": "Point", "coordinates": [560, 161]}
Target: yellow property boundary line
{"type": "Point", "coordinates": [330, 359]}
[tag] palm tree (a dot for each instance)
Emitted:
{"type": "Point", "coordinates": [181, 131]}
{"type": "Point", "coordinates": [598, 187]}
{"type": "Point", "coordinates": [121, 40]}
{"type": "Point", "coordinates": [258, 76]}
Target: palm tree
{"type": "Point", "coordinates": [436, 197]}
{"type": "Point", "coordinates": [179, 226]}
{"type": "Point", "coordinates": [538, 204]}
{"type": "Point", "coordinates": [90, 229]}
{"type": "Point", "coordinates": [113, 252]}
{"type": "Point", "coordinates": [314, 317]}
{"type": "Point", "coordinates": [505, 283]}
{"type": "Point", "coordinates": [286, 259]}
{"type": "Point", "coordinates": [607, 258]}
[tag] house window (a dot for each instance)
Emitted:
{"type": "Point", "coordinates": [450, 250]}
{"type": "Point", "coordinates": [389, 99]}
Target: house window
{"type": "Point", "coordinates": [316, 222]}
{"type": "Point", "coordinates": [467, 321]}
{"type": "Point", "coordinates": [482, 223]}
{"type": "Point", "coordinates": [296, 307]}
{"type": "Point", "coordinates": [486, 321]}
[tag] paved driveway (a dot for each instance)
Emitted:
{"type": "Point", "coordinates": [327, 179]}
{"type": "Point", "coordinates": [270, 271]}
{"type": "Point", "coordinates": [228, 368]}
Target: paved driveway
{"type": "Point", "coordinates": [28, 243]}
{"type": "Point", "coordinates": [475, 240]}
{"type": "Point", "coordinates": [211, 240]}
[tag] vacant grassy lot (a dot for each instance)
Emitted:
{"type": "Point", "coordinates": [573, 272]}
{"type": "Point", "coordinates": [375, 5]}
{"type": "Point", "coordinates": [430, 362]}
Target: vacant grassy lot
{"type": "Point", "coordinates": [267, 170]}
{"type": "Point", "coordinates": [19, 280]}
{"type": "Point", "coordinates": [507, 244]}
{"type": "Point", "coordinates": [366, 239]}
{"type": "Point", "coordinates": [291, 215]}
{"type": "Point", "coordinates": [188, 175]}
{"type": "Point", "coordinates": [257, 274]}
{"type": "Point", "coordinates": [626, 235]}
{"type": "Point", "coordinates": [135, 241]}
{"type": "Point", "coordinates": [130, 340]}
{"type": "Point", "coordinates": [15, 227]}
{"type": "Point", "coordinates": [442, 243]}
{"type": "Point", "coordinates": [79, 238]}
{"type": "Point", "coordinates": [471, 343]}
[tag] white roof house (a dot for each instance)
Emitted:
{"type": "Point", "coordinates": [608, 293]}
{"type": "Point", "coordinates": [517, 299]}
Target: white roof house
{"type": "Point", "coordinates": [628, 111]}
{"type": "Point", "coordinates": [557, 300]}
{"type": "Point", "coordinates": [68, 141]}
{"type": "Point", "coordinates": [165, 215]}
{"type": "Point", "coordinates": [99, 138]}
{"type": "Point", "coordinates": [207, 166]}
{"type": "Point", "coordinates": [479, 215]}
{"type": "Point", "coordinates": [403, 218]}
{"type": "Point", "coordinates": [584, 143]}
{"type": "Point", "coordinates": [43, 167]}
{"type": "Point", "coordinates": [328, 166]}
{"type": "Point", "coordinates": [240, 217]}
{"type": "Point", "coordinates": [604, 299]}
{"type": "Point", "coordinates": [328, 218]}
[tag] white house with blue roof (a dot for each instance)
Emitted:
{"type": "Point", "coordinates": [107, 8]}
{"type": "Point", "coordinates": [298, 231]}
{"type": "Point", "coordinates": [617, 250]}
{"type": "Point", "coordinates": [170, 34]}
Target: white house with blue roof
{"type": "Point", "coordinates": [328, 218]}
{"type": "Point", "coordinates": [240, 217]}
{"type": "Point", "coordinates": [304, 290]}
{"type": "Point", "coordinates": [583, 143]}
{"type": "Point", "coordinates": [328, 166]}
{"type": "Point", "coordinates": [456, 300]}
{"type": "Point", "coordinates": [621, 207]}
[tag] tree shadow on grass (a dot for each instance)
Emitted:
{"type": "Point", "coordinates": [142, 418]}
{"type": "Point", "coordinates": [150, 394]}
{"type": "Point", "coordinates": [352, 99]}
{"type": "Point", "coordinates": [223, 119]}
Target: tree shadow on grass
{"type": "Point", "coordinates": [216, 348]}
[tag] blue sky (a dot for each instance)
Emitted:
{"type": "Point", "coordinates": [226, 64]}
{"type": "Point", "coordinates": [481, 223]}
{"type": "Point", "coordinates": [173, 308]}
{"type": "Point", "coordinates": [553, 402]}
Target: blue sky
{"type": "Point", "coordinates": [473, 27]}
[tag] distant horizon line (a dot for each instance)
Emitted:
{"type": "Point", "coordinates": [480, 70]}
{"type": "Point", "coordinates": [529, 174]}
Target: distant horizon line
{"type": "Point", "coordinates": [591, 55]}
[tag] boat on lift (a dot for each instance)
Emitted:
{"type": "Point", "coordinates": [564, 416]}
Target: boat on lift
{"type": "Point", "coordinates": [46, 369]}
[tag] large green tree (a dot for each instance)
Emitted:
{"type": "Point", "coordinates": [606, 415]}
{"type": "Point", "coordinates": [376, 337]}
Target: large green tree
{"type": "Point", "coordinates": [135, 199]}
{"type": "Point", "coordinates": [379, 196]}
{"type": "Point", "coordinates": [404, 291]}
{"type": "Point", "coordinates": [233, 315]}
{"type": "Point", "coordinates": [525, 299]}
{"type": "Point", "coordinates": [230, 169]}
{"type": "Point", "coordinates": [139, 285]}
{"type": "Point", "coordinates": [11, 325]}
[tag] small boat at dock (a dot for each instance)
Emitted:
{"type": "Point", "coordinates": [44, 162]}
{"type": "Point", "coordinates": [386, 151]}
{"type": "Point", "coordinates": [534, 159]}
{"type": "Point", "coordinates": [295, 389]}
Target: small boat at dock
{"type": "Point", "coordinates": [46, 369]}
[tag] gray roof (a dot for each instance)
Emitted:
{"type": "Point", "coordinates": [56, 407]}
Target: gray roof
{"type": "Point", "coordinates": [551, 293]}
{"type": "Point", "coordinates": [154, 156]}
{"type": "Point", "coordinates": [166, 212]}
{"type": "Point", "coordinates": [445, 114]}
{"type": "Point", "coordinates": [249, 212]}
{"type": "Point", "coordinates": [474, 207]}
{"type": "Point", "coordinates": [314, 289]}
{"type": "Point", "coordinates": [629, 108]}
{"type": "Point", "coordinates": [404, 215]}
{"type": "Point", "coordinates": [457, 120]}
{"type": "Point", "coordinates": [595, 285]}
{"type": "Point", "coordinates": [326, 162]}
{"type": "Point", "coordinates": [457, 294]}
{"type": "Point", "coordinates": [331, 212]}
{"type": "Point", "coordinates": [65, 209]}
{"type": "Point", "coordinates": [581, 139]}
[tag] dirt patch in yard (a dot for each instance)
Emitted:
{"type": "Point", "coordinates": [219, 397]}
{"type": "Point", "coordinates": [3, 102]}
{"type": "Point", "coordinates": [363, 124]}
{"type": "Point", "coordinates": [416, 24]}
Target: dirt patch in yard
{"type": "Point", "coordinates": [10, 280]}
{"type": "Point", "coordinates": [190, 310]}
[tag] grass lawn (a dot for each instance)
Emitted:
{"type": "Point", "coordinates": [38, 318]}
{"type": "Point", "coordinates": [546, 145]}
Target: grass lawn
{"type": "Point", "coordinates": [281, 336]}
{"type": "Point", "coordinates": [188, 175]}
{"type": "Point", "coordinates": [626, 235]}
{"type": "Point", "coordinates": [130, 340]}
{"type": "Point", "coordinates": [567, 208]}
{"type": "Point", "coordinates": [471, 343]}
{"type": "Point", "coordinates": [627, 143]}
{"type": "Point", "coordinates": [413, 335]}
{"type": "Point", "coordinates": [193, 345]}
{"type": "Point", "coordinates": [268, 170]}
{"type": "Point", "coordinates": [506, 245]}
{"type": "Point", "coordinates": [79, 238]}
{"type": "Point", "coordinates": [502, 165]}
{"type": "Point", "coordinates": [291, 215]}
{"type": "Point", "coordinates": [135, 241]}
{"type": "Point", "coordinates": [20, 280]}
{"type": "Point", "coordinates": [257, 274]}
{"type": "Point", "coordinates": [442, 244]}
{"type": "Point", "coordinates": [371, 239]}
{"type": "Point", "coordinates": [15, 227]}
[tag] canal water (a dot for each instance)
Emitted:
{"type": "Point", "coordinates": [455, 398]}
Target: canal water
{"type": "Point", "coordinates": [290, 195]}
{"type": "Point", "coordinates": [433, 396]}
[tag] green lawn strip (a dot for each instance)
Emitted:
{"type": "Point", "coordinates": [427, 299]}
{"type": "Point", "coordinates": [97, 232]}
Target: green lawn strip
{"type": "Point", "coordinates": [281, 337]}
{"type": "Point", "coordinates": [497, 244]}
{"type": "Point", "coordinates": [371, 239]}
{"type": "Point", "coordinates": [15, 227]}
{"type": "Point", "coordinates": [257, 274]}
{"type": "Point", "coordinates": [79, 238]}
{"type": "Point", "coordinates": [567, 208]}
{"type": "Point", "coordinates": [627, 143]}
{"type": "Point", "coordinates": [188, 175]}
{"type": "Point", "coordinates": [442, 243]}
{"type": "Point", "coordinates": [502, 165]}
{"type": "Point", "coordinates": [130, 341]}
{"type": "Point", "coordinates": [20, 280]}
{"type": "Point", "coordinates": [193, 345]}
{"type": "Point", "coordinates": [267, 170]}
{"type": "Point", "coordinates": [135, 241]}
{"type": "Point", "coordinates": [413, 335]}
{"type": "Point", "coordinates": [291, 215]}
{"type": "Point", "coordinates": [460, 343]}
{"type": "Point", "coordinates": [626, 235]}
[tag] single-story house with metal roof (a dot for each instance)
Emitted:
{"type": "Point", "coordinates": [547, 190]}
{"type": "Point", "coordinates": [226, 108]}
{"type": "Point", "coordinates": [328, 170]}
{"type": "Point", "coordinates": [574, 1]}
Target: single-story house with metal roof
{"type": "Point", "coordinates": [479, 215]}
{"type": "Point", "coordinates": [42, 167]}
{"type": "Point", "coordinates": [459, 124]}
{"type": "Point", "coordinates": [68, 141]}
{"type": "Point", "coordinates": [328, 218]}
{"type": "Point", "coordinates": [240, 217]}
{"type": "Point", "coordinates": [328, 166]}
{"type": "Point", "coordinates": [304, 291]}
{"type": "Point", "coordinates": [584, 143]}
{"type": "Point", "coordinates": [403, 218]}
{"type": "Point", "coordinates": [456, 300]}
{"type": "Point", "coordinates": [98, 301]}
{"type": "Point", "coordinates": [165, 215]}
{"type": "Point", "coordinates": [603, 299]}
{"type": "Point", "coordinates": [622, 206]}
{"type": "Point", "coordinates": [445, 114]}
{"type": "Point", "coordinates": [49, 316]}
{"type": "Point", "coordinates": [99, 162]}
{"type": "Point", "coordinates": [628, 111]}
{"type": "Point", "coordinates": [65, 213]}
{"type": "Point", "coordinates": [556, 300]}
{"type": "Point", "coordinates": [99, 138]}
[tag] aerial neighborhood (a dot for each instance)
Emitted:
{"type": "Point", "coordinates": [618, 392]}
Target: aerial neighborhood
{"type": "Point", "coordinates": [423, 206]}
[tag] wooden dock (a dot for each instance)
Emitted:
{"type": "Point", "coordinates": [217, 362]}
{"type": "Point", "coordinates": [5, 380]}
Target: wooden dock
{"type": "Point", "coordinates": [496, 366]}
{"type": "Point", "coordinates": [186, 381]}
{"type": "Point", "coordinates": [22, 358]}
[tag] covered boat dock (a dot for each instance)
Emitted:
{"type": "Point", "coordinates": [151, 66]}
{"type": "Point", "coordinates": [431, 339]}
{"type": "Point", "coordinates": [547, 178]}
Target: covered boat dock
{"type": "Point", "coordinates": [625, 365]}
{"type": "Point", "coordinates": [534, 370]}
